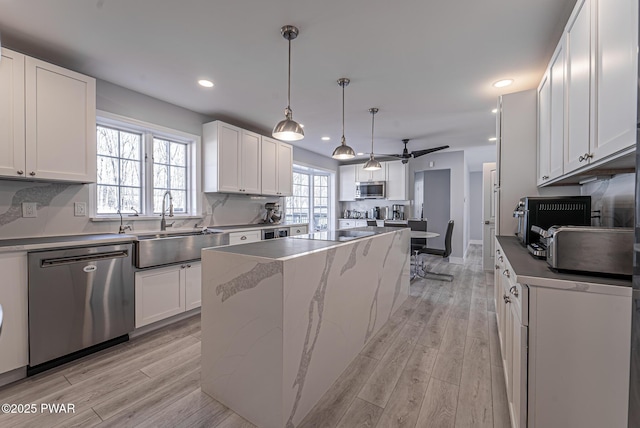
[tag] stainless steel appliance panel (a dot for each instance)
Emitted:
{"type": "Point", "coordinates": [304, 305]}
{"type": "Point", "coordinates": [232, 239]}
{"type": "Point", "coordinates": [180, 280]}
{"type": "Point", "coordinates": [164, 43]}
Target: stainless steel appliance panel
{"type": "Point", "coordinates": [591, 249]}
{"type": "Point", "coordinates": [370, 190]}
{"type": "Point", "coordinates": [548, 211]}
{"type": "Point", "coordinates": [275, 233]}
{"type": "Point", "coordinates": [78, 298]}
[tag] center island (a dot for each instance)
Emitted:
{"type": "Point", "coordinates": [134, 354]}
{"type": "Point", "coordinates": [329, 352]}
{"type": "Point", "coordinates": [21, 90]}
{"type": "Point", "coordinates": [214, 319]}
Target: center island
{"type": "Point", "coordinates": [283, 318]}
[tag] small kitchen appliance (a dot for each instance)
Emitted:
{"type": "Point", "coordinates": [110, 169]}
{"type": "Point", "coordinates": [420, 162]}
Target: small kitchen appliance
{"type": "Point", "coordinates": [370, 190]}
{"type": "Point", "coordinates": [601, 250]}
{"type": "Point", "coordinates": [273, 214]}
{"type": "Point", "coordinates": [545, 212]}
{"type": "Point", "coordinates": [398, 212]}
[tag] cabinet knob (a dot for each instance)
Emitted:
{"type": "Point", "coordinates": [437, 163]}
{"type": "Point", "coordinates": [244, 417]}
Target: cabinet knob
{"type": "Point", "coordinates": [297, 230]}
{"type": "Point", "coordinates": [32, 173]}
{"type": "Point", "coordinates": [585, 157]}
{"type": "Point", "coordinates": [20, 172]}
{"type": "Point", "coordinates": [182, 266]}
{"type": "Point", "coordinates": [545, 177]}
{"type": "Point", "coordinates": [243, 238]}
{"type": "Point", "coordinates": [513, 290]}
{"type": "Point", "coordinates": [497, 267]}
{"type": "Point", "coordinates": [501, 259]}
{"type": "Point", "coordinates": [188, 266]}
{"type": "Point", "coordinates": [506, 273]}
{"type": "Point", "coordinates": [506, 299]}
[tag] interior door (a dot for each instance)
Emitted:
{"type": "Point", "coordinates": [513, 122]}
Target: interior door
{"type": "Point", "coordinates": [489, 182]}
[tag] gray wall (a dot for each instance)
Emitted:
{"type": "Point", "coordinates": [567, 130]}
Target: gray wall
{"type": "Point", "coordinates": [55, 200]}
{"type": "Point", "coordinates": [475, 206]}
{"type": "Point", "coordinates": [437, 203]}
{"type": "Point", "coordinates": [453, 161]}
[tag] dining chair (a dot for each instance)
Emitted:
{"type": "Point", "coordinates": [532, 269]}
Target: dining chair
{"type": "Point", "coordinates": [372, 223]}
{"type": "Point", "coordinates": [442, 253]}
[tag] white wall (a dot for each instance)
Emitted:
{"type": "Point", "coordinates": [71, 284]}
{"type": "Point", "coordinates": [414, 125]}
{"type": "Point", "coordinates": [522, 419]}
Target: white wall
{"type": "Point", "coordinates": [455, 162]}
{"type": "Point", "coordinates": [475, 206]}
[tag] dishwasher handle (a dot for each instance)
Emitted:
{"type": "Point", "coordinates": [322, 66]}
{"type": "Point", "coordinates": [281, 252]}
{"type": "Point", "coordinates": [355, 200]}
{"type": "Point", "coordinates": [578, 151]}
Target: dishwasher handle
{"type": "Point", "coordinates": [83, 258]}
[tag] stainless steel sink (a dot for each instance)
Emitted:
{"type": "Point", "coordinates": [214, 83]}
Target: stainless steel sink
{"type": "Point", "coordinates": [157, 249]}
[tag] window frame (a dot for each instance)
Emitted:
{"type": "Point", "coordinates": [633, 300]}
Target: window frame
{"type": "Point", "coordinates": [148, 132]}
{"type": "Point", "coordinates": [312, 172]}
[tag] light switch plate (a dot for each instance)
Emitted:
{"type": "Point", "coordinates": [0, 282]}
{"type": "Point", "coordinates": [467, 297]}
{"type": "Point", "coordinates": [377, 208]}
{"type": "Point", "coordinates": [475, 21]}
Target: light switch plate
{"type": "Point", "coordinates": [80, 209]}
{"type": "Point", "coordinates": [29, 209]}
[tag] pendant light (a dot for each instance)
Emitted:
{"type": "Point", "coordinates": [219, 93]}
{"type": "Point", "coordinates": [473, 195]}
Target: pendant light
{"type": "Point", "coordinates": [343, 151]}
{"type": "Point", "coordinates": [372, 164]}
{"type": "Point", "coordinates": [288, 129]}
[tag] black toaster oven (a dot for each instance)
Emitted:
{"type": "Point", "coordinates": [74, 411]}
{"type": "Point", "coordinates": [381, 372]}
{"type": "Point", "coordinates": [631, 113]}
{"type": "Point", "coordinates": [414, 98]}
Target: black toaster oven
{"type": "Point", "coordinates": [547, 211]}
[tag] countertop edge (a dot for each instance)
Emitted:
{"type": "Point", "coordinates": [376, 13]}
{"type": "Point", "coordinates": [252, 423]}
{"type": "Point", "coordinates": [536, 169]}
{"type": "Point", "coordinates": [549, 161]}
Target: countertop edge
{"type": "Point", "coordinates": [560, 281]}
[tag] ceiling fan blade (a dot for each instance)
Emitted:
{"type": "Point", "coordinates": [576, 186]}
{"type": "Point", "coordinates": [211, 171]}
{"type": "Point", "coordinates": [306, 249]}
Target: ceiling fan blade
{"type": "Point", "coordinates": [418, 153]}
{"type": "Point", "coordinates": [395, 156]}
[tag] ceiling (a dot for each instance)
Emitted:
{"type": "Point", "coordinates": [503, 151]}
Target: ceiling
{"type": "Point", "coordinates": [427, 65]}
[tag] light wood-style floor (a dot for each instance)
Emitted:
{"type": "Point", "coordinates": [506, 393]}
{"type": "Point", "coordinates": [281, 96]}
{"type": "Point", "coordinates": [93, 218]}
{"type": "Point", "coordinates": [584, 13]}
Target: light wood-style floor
{"type": "Point", "coordinates": [436, 363]}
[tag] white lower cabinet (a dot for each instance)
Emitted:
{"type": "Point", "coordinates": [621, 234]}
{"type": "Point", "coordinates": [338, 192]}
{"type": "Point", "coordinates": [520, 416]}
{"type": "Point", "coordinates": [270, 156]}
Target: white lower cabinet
{"type": "Point", "coordinates": [565, 350]}
{"type": "Point", "coordinates": [245, 237]}
{"type": "Point", "coordinates": [168, 291]}
{"type": "Point", "coordinates": [14, 345]}
{"type": "Point", "coordinates": [351, 223]}
{"type": "Point", "coordinates": [298, 230]}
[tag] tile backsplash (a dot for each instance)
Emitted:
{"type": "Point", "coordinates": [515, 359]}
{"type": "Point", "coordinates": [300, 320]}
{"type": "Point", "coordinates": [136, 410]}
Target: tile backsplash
{"type": "Point", "coordinates": [55, 211]}
{"type": "Point", "coordinates": [614, 198]}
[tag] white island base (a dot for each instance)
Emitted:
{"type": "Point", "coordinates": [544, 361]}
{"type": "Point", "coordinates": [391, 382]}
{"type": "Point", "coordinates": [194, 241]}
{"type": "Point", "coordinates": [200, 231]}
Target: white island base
{"type": "Point", "coordinates": [282, 319]}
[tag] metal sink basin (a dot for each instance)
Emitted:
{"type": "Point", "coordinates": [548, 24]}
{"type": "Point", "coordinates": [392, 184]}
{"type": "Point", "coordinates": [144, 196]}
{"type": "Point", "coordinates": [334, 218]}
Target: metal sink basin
{"type": "Point", "coordinates": [157, 249]}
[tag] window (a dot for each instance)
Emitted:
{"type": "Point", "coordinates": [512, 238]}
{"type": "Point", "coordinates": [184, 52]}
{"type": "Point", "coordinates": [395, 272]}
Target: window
{"type": "Point", "coordinates": [310, 200]}
{"type": "Point", "coordinates": [138, 163]}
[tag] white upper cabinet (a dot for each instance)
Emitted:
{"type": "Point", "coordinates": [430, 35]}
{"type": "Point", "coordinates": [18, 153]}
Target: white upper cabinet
{"type": "Point", "coordinates": [397, 177]}
{"type": "Point", "coordinates": [12, 130]}
{"type": "Point", "coordinates": [348, 182]}
{"type": "Point", "coordinates": [578, 46]}
{"type": "Point", "coordinates": [377, 175]}
{"type": "Point", "coordinates": [232, 159]}
{"type": "Point", "coordinates": [556, 146]}
{"type": "Point", "coordinates": [48, 117]}
{"type": "Point", "coordinates": [616, 76]}
{"type": "Point", "coordinates": [600, 45]}
{"type": "Point", "coordinates": [544, 128]}
{"type": "Point", "coordinates": [277, 167]}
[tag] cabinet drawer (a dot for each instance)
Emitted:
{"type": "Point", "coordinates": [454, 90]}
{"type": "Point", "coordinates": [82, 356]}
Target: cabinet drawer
{"type": "Point", "coordinates": [346, 224]}
{"type": "Point", "coordinates": [298, 230]}
{"type": "Point", "coordinates": [245, 237]}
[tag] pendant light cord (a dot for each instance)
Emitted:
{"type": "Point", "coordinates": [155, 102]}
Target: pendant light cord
{"type": "Point", "coordinates": [373, 118]}
{"type": "Point", "coordinates": [343, 139]}
{"type": "Point", "coordinates": [289, 80]}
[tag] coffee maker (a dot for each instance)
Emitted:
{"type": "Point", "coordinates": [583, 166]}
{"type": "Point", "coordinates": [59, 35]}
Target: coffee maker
{"type": "Point", "coordinates": [398, 212]}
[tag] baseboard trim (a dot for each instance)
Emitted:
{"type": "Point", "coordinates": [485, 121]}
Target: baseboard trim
{"type": "Point", "coordinates": [163, 323]}
{"type": "Point", "coordinates": [475, 242]}
{"type": "Point", "coordinates": [13, 376]}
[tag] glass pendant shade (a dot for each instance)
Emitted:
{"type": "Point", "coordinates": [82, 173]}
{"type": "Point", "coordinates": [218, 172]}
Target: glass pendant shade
{"type": "Point", "coordinates": [288, 129]}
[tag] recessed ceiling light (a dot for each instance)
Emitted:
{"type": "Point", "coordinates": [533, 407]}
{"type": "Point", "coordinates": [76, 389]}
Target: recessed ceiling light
{"type": "Point", "coordinates": [493, 139]}
{"type": "Point", "coordinates": [494, 111]}
{"type": "Point", "coordinates": [326, 138]}
{"type": "Point", "coordinates": [205, 83]}
{"type": "Point", "coordinates": [360, 154]}
{"type": "Point", "coordinates": [503, 83]}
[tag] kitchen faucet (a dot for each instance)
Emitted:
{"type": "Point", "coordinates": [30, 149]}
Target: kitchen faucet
{"type": "Point", "coordinates": [122, 227]}
{"type": "Point", "coordinates": [163, 222]}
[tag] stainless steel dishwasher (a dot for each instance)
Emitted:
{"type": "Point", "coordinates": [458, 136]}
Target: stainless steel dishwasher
{"type": "Point", "coordinates": [79, 298]}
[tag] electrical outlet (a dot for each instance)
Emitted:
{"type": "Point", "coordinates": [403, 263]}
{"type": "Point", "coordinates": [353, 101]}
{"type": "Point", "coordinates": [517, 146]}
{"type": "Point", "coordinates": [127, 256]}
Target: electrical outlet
{"type": "Point", "coordinates": [209, 210]}
{"type": "Point", "coordinates": [80, 209]}
{"type": "Point", "coordinates": [29, 209]}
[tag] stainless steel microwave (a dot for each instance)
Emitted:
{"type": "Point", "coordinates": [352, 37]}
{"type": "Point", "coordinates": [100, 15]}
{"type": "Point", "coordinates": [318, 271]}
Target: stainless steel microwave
{"type": "Point", "coordinates": [370, 190]}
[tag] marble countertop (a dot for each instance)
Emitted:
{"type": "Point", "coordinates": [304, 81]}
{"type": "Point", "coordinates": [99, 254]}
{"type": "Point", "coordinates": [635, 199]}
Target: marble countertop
{"type": "Point", "coordinates": [285, 248]}
{"type": "Point", "coordinates": [48, 242]}
{"type": "Point", "coordinates": [241, 227]}
{"type": "Point", "coordinates": [536, 272]}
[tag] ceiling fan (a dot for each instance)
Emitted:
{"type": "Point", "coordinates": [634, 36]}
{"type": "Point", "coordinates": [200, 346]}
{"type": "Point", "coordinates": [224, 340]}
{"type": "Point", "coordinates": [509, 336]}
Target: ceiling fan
{"type": "Point", "coordinates": [406, 155]}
